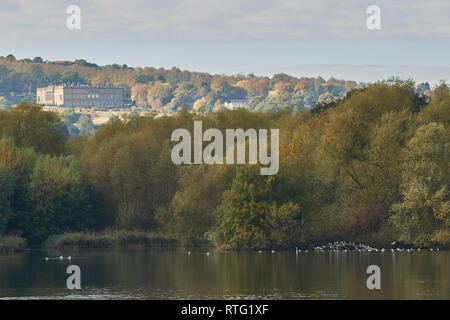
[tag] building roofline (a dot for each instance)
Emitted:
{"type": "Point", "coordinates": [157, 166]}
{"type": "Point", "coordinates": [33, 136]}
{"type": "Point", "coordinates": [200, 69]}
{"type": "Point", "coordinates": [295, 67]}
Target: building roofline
{"type": "Point", "coordinates": [81, 86]}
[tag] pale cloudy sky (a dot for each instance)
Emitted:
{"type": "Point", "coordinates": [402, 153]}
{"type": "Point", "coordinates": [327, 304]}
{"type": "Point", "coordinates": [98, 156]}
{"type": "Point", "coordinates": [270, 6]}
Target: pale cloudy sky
{"type": "Point", "coordinates": [298, 37]}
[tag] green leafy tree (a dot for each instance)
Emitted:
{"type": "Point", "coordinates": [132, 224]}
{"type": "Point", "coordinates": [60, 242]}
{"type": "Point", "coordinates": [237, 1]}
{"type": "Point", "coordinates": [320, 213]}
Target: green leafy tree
{"type": "Point", "coordinates": [61, 198]}
{"type": "Point", "coordinates": [422, 217]}
{"type": "Point", "coordinates": [7, 188]}
{"type": "Point", "coordinates": [191, 212]}
{"type": "Point", "coordinates": [252, 216]}
{"type": "Point", "coordinates": [31, 127]}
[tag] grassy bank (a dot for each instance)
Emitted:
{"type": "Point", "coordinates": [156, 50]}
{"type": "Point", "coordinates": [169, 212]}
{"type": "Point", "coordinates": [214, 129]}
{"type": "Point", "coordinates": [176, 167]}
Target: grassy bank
{"type": "Point", "coordinates": [12, 243]}
{"type": "Point", "coordinates": [114, 239]}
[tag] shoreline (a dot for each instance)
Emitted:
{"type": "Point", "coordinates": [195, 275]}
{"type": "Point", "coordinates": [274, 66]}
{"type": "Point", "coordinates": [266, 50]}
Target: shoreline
{"type": "Point", "coordinates": [149, 240]}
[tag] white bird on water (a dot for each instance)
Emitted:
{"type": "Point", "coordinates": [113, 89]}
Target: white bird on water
{"type": "Point", "coordinates": [61, 258]}
{"type": "Point", "coordinates": [207, 253]}
{"type": "Point", "coordinates": [273, 251]}
{"type": "Point", "coordinates": [259, 251]}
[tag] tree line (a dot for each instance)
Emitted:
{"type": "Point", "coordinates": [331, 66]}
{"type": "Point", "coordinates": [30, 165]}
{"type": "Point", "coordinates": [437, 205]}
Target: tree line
{"type": "Point", "coordinates": [169, 90]}
{"type": "Point", "coordinates": [370, 167]}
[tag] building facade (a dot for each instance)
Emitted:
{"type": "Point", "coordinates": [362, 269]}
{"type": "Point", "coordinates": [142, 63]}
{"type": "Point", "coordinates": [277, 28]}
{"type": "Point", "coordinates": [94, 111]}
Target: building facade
{"type": "Point", "coordinates": [236, 103]}
{"type": "Point", "coordinates": [80, 96]}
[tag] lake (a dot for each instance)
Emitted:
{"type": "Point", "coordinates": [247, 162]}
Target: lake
{"type": "Point", "coordinates": [175, 274]}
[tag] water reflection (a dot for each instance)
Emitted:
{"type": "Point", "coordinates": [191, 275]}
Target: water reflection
{"type": "Point", "coordinates": [173, 274]}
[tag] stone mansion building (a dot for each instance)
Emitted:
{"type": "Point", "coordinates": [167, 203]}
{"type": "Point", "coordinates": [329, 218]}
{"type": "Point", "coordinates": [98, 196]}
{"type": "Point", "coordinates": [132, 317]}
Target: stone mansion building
{"type": "Point", "coordinates": [80, 96]}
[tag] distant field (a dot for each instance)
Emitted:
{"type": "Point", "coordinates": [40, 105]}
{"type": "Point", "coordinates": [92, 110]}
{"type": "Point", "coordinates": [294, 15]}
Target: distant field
{"type": "Point", "coordinates": [98, 117]}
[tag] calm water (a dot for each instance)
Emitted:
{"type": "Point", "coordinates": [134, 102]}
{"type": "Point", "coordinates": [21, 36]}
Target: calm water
{"type": "Point", "coordinates": [173, 274]}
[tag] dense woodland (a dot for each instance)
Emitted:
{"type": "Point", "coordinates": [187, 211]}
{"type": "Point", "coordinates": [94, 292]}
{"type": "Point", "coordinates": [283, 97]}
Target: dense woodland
{"type": "Point", "coordinates": [371, 167]}
{"type": "Point", "coordinates": [163, 90]}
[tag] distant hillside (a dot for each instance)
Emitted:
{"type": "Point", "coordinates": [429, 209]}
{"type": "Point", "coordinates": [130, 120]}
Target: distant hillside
{"type": "Point", "coordinates": [164, 90]}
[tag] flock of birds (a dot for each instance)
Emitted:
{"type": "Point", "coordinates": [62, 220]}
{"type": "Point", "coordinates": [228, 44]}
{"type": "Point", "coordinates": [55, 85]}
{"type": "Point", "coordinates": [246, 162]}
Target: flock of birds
{"type": "Point", "coordinates": [350, 246]}
{"type": "Point", "coordinates": [59, 258]}
{"type": "Point", "coordinates": [331, 246]}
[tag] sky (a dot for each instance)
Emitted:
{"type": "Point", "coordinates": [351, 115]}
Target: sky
{"type": "Point", "coordinates": [327, 38]}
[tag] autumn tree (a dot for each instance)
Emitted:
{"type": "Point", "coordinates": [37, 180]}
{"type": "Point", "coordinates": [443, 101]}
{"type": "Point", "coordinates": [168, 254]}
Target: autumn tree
{"type": "Point", "coordinates": [139, 94]}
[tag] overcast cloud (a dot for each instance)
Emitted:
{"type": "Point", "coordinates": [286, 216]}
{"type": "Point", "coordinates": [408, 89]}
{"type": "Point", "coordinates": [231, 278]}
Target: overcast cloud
{"type": "Point", "coordinates": [229, 19]}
